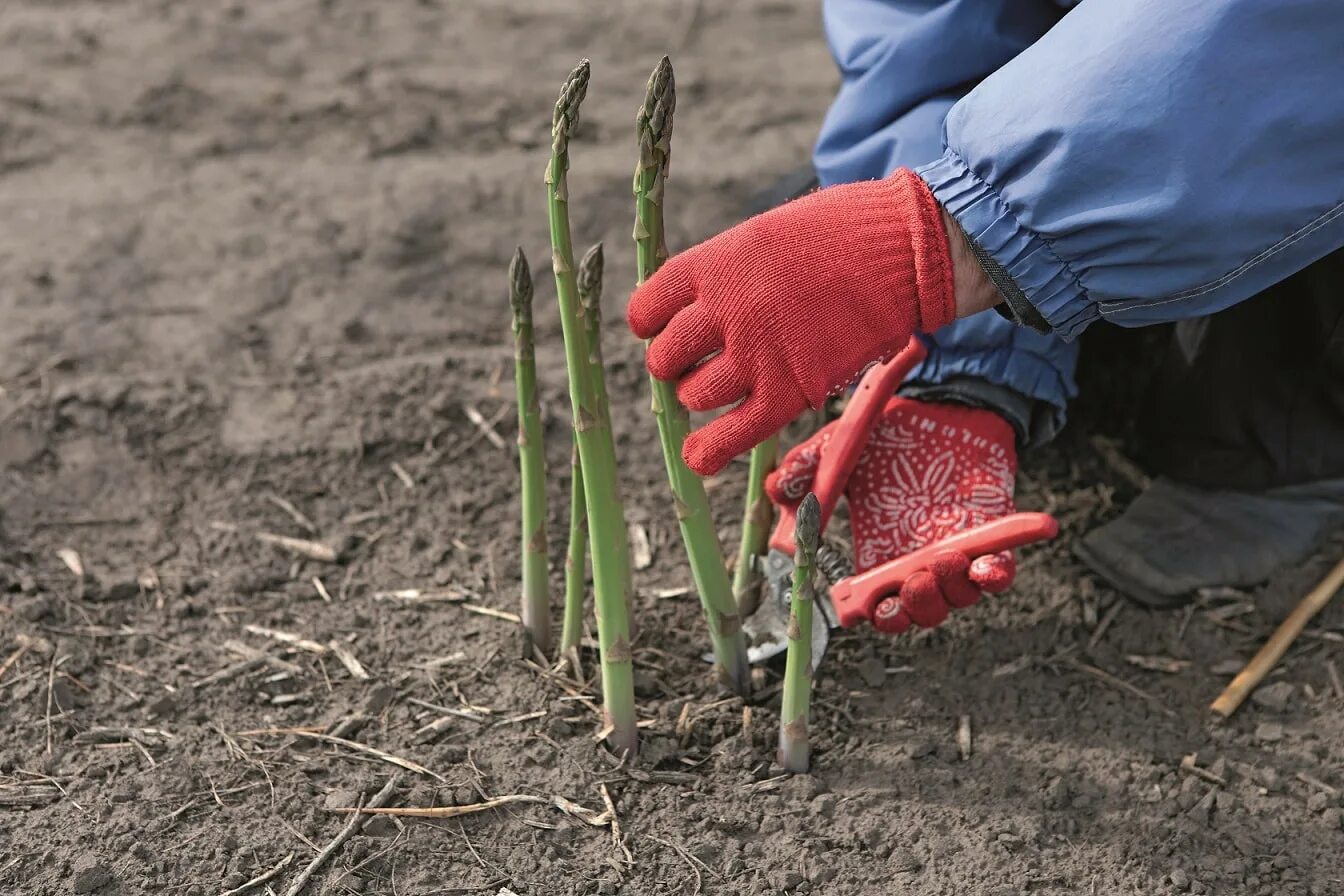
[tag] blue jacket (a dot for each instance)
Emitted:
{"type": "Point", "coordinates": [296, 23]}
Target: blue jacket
{"type": "Point", "coordinates": [1137, 161]}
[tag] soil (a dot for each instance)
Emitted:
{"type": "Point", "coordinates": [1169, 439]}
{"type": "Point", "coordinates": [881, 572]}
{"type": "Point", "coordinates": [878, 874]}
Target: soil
{"type": "Point", "coordinates": [252, 262]}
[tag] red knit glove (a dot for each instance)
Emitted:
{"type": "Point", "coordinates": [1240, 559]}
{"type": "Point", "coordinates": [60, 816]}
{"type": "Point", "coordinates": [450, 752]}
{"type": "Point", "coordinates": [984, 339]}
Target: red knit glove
{"type": "Point", "coordinates": [929, 470]}
{"type": "Point", "coordinates": [793, 305]}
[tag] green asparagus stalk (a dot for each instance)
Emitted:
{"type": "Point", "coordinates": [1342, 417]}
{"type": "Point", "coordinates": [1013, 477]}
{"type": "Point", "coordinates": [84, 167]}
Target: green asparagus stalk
{"type": "Point", "coordinates": [597, 451]}
{"type": "Point", "coordinates": [654, 129]}
{"type": "Point", "coordinates": [794, 746]}
{"type": "Point", "coordinates": [531, 461]}
{"type": "Point", "coordinates": [756, 516]}
{"type": "Point", "coordinates": [576, 565]}
{"type": "Point", "coordinates": [590, 301]}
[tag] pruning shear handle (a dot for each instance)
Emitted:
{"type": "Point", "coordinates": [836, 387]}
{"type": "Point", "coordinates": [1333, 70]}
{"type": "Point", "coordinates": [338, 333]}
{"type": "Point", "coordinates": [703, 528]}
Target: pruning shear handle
{"type": "Point", "coordinates": [849, 437]}
{"type": "Point", "coordinates": [856, 597]}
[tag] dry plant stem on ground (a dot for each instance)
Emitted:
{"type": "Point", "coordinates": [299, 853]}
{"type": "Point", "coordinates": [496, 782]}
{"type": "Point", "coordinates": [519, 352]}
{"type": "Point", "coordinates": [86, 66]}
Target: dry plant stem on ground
{"type": "Point", "coordinates": [1273, 650]}
{"type": "Point", "coordinates": [794, 744]}
{"type": "Point", "coordinates": [654, 129]}
{"type": "Point", "coordinates": [597, 452]}
{"type": "Point", "coordinates": [756, 518]}
{"type": "Point", "coordinates": [590, 302]}
{"type": "Point", "coordinates": [536, 609]}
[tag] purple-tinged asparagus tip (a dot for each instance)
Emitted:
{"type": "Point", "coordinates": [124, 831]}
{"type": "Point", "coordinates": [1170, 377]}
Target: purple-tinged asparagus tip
{"type": "Point", "coordinates": [520, 283]}
{"type": "Point", "coordinates": [590, 277]}
{"type": "Point", "coordinates": [807, 526]}
{"type": "Point", "coordinates": [566, 115]}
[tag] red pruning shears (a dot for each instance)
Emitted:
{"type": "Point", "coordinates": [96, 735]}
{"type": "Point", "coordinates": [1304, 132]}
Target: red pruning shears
{"type": "Point", "coordinates": [853, 599]}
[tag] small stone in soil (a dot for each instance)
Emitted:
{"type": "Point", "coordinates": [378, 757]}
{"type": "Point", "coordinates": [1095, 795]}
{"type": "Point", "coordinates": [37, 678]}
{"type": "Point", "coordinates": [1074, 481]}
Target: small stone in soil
{"type": "Point", "coordinates": [824, 805]}
{"type": "Point", "coordinates": [122, 589]}
{"type": "Point", "coordinates": [90, 875]}
{"type": "Point", "coordinates": [163, 707]}
{"type": "Point", "coordinates": [380, 826]}
{"type": "Point", "coordinates": [949, 752]}
{"type": "Point", "coordinates": [1180, 880]}
{"type": "Point", "coordinates": [873, 672]}
{"type": "Point", "coordinates": [705, 852]}
{"type": "Point", "coordinates": [1056, 794]}
{"type": "Point", "coordinates": [1274, 696]}
{"type": "Point", "coordinates": [379, 699]}
{"type": "Point", "coordinates": [1269, 732]}
{"type": "Point", "coordinates": [1317, 801]}
{"type": "Point", "coordinates": [905, 861]}
{"type": "Point", "coordinates": [922, 747]}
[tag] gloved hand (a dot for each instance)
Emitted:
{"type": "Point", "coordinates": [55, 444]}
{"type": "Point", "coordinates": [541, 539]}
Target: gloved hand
{"type": "Point", "coordinates": [793, 304]}
{"type": "Point", "coordinates": [928, 471]}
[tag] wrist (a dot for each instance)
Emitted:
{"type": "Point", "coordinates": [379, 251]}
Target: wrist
{"type": "Point", "coordinates": [972, 290]}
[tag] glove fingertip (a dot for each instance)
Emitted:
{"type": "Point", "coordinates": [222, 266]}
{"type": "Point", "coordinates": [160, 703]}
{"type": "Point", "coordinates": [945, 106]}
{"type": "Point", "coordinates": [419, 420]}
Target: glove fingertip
{"type": "Point", "coordinates": [952, 570]}
{"type": "Point", "coordinates": [704, 453]}
{"type": "Point", "coordinates": [923, 600]}
{"type": "Point", "coordinates": [949, 565]}
{"type": "Point", "coordinates": [994, 573]}
{"type": "Point", "coordinates": [663, 360]}
{"type": "Point", "coordinates": [890, 617]}
{"type": "Point", "coordinates": [654, 302]}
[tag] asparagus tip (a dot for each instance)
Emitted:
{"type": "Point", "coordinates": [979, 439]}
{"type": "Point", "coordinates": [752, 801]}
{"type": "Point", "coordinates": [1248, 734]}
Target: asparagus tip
{"type": "Point", "coordinates": [661, 85]}
{"type": "Point", "coordinates": [590, 275]}
{"type": "Point", "coordinates": [807, 525]}
{"type": "Point", "coordinates": [520, 280]}
{"type": "Point", "coordinates": [566, 113]}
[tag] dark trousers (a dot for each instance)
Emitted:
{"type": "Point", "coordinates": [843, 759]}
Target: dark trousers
{"type": "Point", "coordinates": [1253, 397]}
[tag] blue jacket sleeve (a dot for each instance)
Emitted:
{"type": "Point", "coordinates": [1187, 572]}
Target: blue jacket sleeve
{"type": "Point", "coordinates": [1147, 161]}
{"type": "Point", "coordinates": [904, 63]}
{"type": "Point", "coordinates": [902, 66]}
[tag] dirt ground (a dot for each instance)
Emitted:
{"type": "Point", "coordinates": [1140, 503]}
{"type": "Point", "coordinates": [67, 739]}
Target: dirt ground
{"type": "Point", "coordinates": [252, 279]}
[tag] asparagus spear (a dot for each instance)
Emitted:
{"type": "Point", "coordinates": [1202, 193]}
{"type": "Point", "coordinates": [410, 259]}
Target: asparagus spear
{"type": "Point", "coordinates": [597, 451]}
{"type": "Point", "coordinates": [654, 129]}
{"type": "Point", "coordinates": [531, 461]}
{"type": "Point", "coordinates": [794, 746]}
{"type": "Point", "coordinates": [576, 564]}
{"type": "Point", "coordinates": [755, 526]}
{"type": "Point", "coordinates": [590, 299]}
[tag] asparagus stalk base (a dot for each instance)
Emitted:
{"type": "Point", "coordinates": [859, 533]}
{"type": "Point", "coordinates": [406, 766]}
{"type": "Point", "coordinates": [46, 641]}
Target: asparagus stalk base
{"type": "Point", "coordinates": [795, 747]}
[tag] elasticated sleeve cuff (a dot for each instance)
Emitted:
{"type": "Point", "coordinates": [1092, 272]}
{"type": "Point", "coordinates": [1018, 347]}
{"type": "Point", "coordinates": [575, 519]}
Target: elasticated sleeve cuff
{"type": "Point", "coordinates": [1038, 288]}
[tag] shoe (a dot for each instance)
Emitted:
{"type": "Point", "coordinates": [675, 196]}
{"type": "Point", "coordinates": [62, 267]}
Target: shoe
{"type": "Point", "coordinates": [1175, 539]}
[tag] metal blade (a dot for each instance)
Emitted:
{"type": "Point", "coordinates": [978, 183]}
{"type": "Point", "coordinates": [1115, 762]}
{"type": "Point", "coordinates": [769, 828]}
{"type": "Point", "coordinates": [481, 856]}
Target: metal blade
{"type": "Point", "coordinates": [767, 629]}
